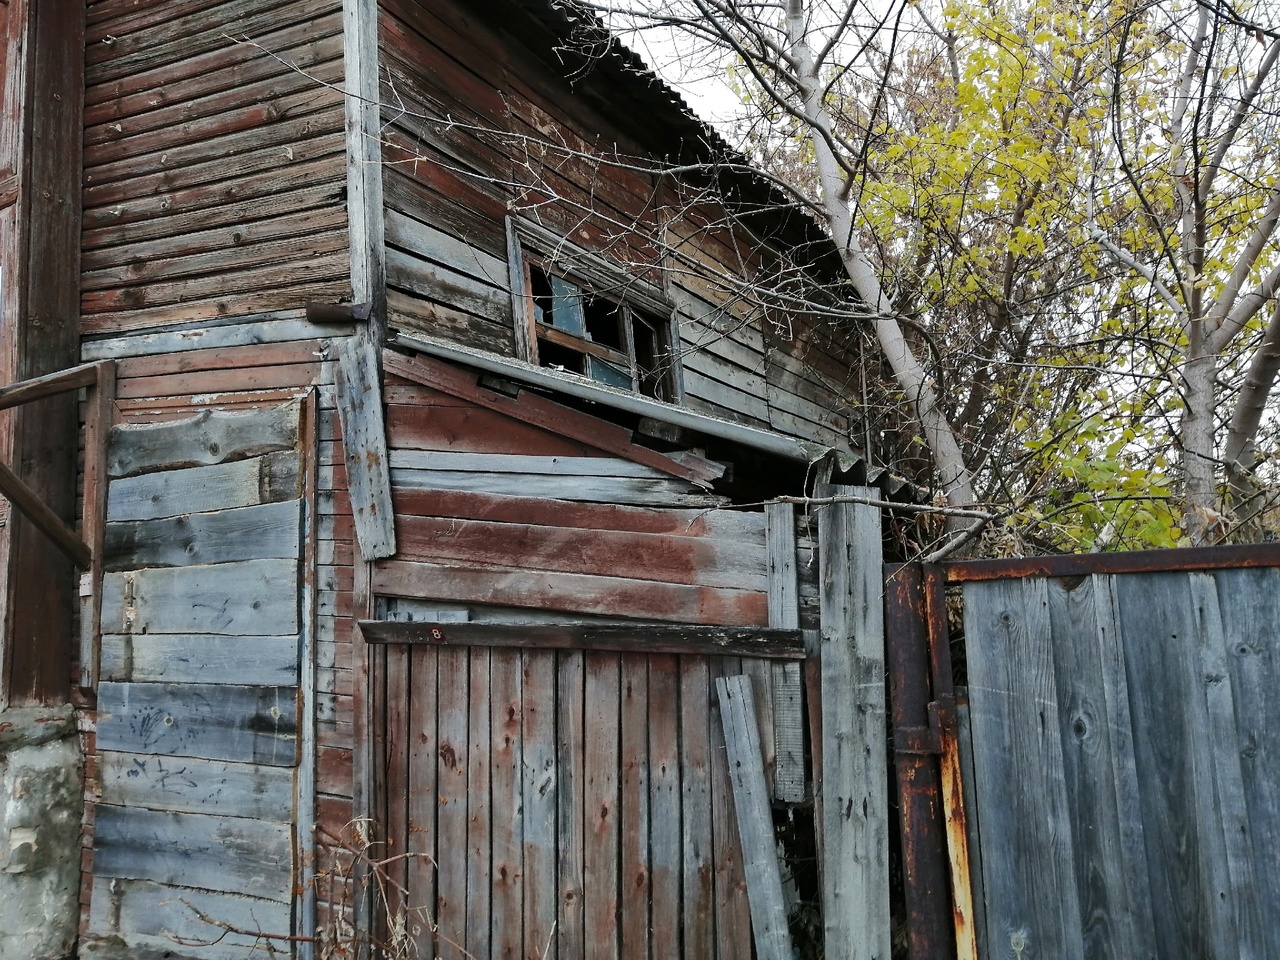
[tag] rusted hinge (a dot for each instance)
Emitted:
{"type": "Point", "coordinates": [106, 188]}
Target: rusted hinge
{"type": "Point", "coordinates": [930, 739]}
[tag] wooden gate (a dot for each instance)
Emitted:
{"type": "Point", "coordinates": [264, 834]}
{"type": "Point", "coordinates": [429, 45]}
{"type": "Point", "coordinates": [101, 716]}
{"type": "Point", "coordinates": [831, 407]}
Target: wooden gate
{"type": "Point", "coordinates": [1125, 737]}
{"type": "Point", "coordinates": [563, 802]}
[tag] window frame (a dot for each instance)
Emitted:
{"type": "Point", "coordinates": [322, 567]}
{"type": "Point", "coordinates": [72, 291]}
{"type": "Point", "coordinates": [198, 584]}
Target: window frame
{"type": "Point", "coordinates": [530, 247]}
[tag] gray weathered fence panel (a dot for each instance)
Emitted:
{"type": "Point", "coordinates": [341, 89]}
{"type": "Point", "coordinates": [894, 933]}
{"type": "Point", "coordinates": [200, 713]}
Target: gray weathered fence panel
{"type": "Point", "coordinates": [1185, 854]}
{"type": "Point", "coordinates": [1249, 601]}
{"type": "Point", "coordinates": [1027, 861]}
{"type": "Point", "coordinates": [1159, 725]}
{"type": "Point", "coordinates": [1091, 690]}
{"type": "Point", "coordinates": [1230, 826]}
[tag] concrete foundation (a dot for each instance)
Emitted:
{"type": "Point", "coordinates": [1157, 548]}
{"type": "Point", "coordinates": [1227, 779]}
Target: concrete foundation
{"type": "Point", "coordinates": [41, 803]}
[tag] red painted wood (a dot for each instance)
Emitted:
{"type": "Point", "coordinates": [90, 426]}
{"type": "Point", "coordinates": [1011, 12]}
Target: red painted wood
{"type": "Point", "coordinates": [580, 593]}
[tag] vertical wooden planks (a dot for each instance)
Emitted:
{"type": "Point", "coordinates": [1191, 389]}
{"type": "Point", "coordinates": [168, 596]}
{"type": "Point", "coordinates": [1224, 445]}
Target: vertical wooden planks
{"type": "Point", "coordinates": [479, 807]}
{"type": "Point", "coordinates": [784, 611]}
{"type": "Point", "coordinates": [755, 821]}
{"type": "Point", "coordinates": [635, 890]}
{"type": "Point", "coordinates": [698, 902]}
{"type": "Point", "coordinates": [732, 913]}
{"type": "Point", "coordinates": [424, 745]}
{"type": "Point", "coordinates": [507, 872]}
{"type": "Point", "coordinates": [1249, 601]}
{"type": "Point", "coordinates": [1110, 885]}
{"type": "Point", "coordinates": [1027, 858]}
{"type": "Point", "coordinates": [365, 213]}
{"type": "Point", "coordinates": [1186, 861]}
{"type": "Point", "coordinates": [399, 686]}
{"type": "Point", "coordinates": [538, 735]}
{"type": "Point", "coordinates": [1229, 813]}
{"type": "Point", "coordinates": [453, 686]}
{"type": "Point", "coordinates": [570, 929]}
{"type": "Point", "coordinates": [665, 866]}
{"type": "Point", "coordinates": [600, 803]}
{"type": "Point", "coordinates": [855, 807]}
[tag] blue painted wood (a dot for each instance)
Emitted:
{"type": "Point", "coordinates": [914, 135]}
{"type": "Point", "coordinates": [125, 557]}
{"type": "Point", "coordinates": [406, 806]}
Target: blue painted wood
{"type": "Point", "coordinates": [231, 854]}
{"type": "Point", "coordinates": [244, 724]}
{"type": "Point", "coordinates": [193, 785]}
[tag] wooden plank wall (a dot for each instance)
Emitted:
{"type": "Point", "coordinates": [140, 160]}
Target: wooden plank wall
{"type": "Point", "coordinates": [1127, 763]}
{"type": "Point", "coordinates": [575, 804]}
{"type": "Point", "coordinates": [447, 175]}
{"type": "Point", "coordinates": [214, 170]}
{"type": "Point", "coordinates": [489, 510]}
{"type": "Point", "coordinates": [198, 731]}
{"type": "Point", "coordinates": [478, 127]}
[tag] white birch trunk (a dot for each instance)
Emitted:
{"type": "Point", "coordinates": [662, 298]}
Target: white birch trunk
{"type": "Point", "coordinates": [953, 475]}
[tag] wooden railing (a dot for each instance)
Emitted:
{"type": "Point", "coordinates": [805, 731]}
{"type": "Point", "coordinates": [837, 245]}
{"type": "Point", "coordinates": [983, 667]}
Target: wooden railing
{"type": "Point", "coordinates": [85, 552]}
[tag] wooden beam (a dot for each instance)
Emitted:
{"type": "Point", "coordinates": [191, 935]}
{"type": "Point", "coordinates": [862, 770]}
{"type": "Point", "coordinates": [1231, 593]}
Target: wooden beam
{"type": "Point", "coordinates": [364, 439]}
{"type": "Point", "coordinates": [99, 413]}
{"type": "Point", "coordinates": [755, 819]}
{"type": "Point", "coordinates": [50, 385]}
{"type": "Point", "coordinates": [35, 509]}
{"type": "Point", "coordinates": [638, 638]}
{"type": "Point", "coordinates": [784, 611]}
{"type": "Point", "coordinates": [366, 218]}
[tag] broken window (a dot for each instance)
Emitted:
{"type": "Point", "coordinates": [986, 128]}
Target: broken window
{"type": "Point", "coordinates": [609, 340]}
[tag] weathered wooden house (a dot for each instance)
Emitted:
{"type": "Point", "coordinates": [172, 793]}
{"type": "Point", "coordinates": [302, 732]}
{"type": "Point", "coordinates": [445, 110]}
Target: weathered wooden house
{"type": "Point", "coordinates": [382, 455]}
{"type": "Point", "coordinates": [412, 393]}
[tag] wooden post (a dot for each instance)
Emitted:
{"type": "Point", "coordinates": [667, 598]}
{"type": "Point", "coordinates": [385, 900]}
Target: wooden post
{"type": "Point", "coordinates": [365, 442]}
{"type": "Point", "coordinates": [40, 152]}
{"type": "Point", "coordinates": [97, 430]}
{"type": "Point", "coordinates": [855, 797]}
{"type": "Point", "coordinates": [784, 611]}
{"type": "Point", "coordinates": [366, 219]}
{"type": "Point", "coordinates": [755, 820]}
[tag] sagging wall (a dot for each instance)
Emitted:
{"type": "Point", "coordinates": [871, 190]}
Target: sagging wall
{"type": "Point", "coordinates": [478, 129]}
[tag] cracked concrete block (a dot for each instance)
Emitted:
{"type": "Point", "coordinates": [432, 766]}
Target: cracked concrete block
{"type": "Point", "coordinates": [41, 803]}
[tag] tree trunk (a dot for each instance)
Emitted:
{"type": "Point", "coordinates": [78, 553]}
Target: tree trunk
{"type": "Point", "coordinates": [953, 475]}
{"type": "Point", "coordinates": [1238, 452]}
{"type": "Point", "coordinates": [1202, 520]}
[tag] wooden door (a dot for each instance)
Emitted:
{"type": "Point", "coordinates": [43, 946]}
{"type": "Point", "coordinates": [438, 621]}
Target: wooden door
{"type": "Point", "coordinates": [560, 803]}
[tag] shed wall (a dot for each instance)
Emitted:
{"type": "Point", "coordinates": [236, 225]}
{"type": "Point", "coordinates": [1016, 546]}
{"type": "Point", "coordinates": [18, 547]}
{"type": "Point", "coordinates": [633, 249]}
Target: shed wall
{"type": "Point", "coordinates": [215, 164]}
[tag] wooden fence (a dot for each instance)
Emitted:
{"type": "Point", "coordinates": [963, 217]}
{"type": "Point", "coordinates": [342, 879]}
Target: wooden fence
{"type": "Point", "coordinates": [1126, 747]}
{"type": "Point", "coordinates": [561, 803]}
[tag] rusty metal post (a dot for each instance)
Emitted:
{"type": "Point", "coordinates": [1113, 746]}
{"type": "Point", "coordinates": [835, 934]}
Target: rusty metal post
{"type": "Point", "coordinates": [916, 744]}
{"type": "Point", "coordinates": [944, 719]}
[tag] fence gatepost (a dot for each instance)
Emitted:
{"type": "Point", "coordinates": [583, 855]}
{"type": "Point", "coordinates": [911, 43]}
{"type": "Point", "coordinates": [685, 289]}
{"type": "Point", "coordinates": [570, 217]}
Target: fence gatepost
{"type": "Point", "coordinates": [854, 788]}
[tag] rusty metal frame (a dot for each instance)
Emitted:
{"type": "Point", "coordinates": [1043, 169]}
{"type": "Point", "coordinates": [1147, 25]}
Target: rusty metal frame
{"type": "Point", "coordinates": [919, 735]}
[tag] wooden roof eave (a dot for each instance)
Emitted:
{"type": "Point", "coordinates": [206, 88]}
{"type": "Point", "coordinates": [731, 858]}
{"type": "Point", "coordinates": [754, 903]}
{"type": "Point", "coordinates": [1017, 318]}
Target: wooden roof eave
{"type": "Point", "coordinates": [766, 441]}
